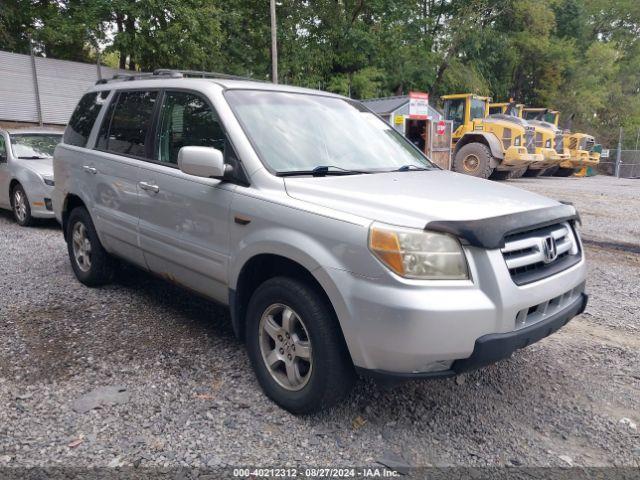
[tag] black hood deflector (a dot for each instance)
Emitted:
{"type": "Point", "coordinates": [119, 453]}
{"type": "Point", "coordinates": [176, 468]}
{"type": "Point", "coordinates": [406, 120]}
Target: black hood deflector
{"type": "Point", "coordinates": [490, 232]}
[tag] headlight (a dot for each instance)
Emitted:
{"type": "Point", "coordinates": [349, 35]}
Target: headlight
{"type": "Point", "coordinates": [418, 254]}
{"type": "Point", "coordinates": [516, 142]}
{"type": "Point", "coordinates": [48, 181]}
{"type": "Point", "coordinates": [548, 144]}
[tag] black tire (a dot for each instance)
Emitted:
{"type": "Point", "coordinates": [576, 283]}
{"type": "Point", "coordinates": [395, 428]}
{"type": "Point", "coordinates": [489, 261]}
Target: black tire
{"type": "Point", "coordinates": [101, 266]}
{"type": "Point", "coordinates": [549, 172]}
{"type": "Point", "coordinates": [564, 172]}
{"type": "Point", "coordinates": [534, 173]}
{"type": "Point", "coordinates": [517, 173]}
{"type": "Point", "coordinates": [501, 174]}
{"type": "Point", "coordinates": [332, 374]}
{"type": "Point", "coordinates": [20, 206]}
{"type": "Point", "coordinates": [473, 159]}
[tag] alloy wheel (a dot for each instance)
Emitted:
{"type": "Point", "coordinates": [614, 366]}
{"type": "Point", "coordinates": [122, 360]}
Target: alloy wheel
{"type": "Point", "coordinates": [20, 205]}
{"type": "Point", "coordinates": [81, 247]}
{"type": "Point", "coordinates": [285, 346]}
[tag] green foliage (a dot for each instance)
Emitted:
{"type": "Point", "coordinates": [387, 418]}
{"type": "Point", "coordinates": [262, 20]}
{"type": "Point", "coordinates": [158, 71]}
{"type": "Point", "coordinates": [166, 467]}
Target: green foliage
{"type": "Point", "coordinates": [578, 56]}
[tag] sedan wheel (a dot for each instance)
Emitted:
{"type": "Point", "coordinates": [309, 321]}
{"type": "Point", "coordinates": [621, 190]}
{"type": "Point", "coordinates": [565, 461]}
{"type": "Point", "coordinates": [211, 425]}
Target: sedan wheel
{"type": "Point", "coordinates": [21, 209]}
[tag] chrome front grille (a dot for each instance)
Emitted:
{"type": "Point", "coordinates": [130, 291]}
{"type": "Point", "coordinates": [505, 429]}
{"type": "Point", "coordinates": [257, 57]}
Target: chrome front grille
{"type": "Point", "coordinates": [540, 253]}
{"type": "Point", "coordinates": [559, 143]}
{"type": "Point", "coordinates": [530, 139]}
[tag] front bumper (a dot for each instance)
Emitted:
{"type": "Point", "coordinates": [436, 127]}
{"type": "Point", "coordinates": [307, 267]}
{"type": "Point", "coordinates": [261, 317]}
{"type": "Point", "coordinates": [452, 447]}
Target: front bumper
{"type": "Point", "coordinates": [406, 327]}
{"type": "Point", "coordinates": [551, 158]}
{"type": "Point", "coordinates": [517, 157]}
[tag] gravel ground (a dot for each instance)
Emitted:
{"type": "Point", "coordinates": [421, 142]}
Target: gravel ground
{"type": "Point", "coordinates": [191, 398]}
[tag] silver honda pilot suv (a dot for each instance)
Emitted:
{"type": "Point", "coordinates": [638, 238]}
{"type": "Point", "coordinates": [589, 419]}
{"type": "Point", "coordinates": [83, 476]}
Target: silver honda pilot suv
{"type": "Point", "coordinates": [337, 245]}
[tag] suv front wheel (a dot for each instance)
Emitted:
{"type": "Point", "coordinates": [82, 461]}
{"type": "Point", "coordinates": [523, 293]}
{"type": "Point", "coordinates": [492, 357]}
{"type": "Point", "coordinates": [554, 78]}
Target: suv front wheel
{"type": "Point", "coordinates": [296, 346]}
{"type": "Point", "coordinates": [91, 263]}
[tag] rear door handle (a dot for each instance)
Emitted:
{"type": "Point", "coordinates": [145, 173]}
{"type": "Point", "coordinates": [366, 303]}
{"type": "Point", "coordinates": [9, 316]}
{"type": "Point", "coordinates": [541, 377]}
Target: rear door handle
{"type": "Point", "coordinates": [90, 169]}
{"type": "Point", "coordinates": [149, 187]}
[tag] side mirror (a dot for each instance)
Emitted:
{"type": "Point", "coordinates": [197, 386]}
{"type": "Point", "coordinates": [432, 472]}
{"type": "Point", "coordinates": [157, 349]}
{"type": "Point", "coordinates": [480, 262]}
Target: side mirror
{"type": "Point", "coordinates": [204, 162]}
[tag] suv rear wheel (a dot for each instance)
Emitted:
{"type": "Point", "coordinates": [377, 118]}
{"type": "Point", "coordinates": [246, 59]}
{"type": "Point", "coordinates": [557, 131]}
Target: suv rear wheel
{"type": "Point", "coordinates": [91, 263]}
{"type": "Point", "coordinates": [296, 347]}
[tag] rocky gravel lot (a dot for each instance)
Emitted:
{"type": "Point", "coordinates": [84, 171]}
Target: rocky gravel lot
{"type": "Point", "coordinates": [183, 393]}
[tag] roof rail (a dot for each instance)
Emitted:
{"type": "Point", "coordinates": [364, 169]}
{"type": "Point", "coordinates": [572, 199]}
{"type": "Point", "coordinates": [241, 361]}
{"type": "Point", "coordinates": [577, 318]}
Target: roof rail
{"type": "Point", "coordinates": [171, 73]}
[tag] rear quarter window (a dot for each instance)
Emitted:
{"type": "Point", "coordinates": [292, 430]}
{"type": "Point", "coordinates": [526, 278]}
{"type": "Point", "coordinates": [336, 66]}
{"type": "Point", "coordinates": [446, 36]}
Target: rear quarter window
{"type": "Point", "coordinates": [84, 116]}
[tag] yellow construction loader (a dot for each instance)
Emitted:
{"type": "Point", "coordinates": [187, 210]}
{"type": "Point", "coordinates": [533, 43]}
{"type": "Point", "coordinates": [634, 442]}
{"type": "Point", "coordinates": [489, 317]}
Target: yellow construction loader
{"type": "Point", "coordinates": [486, 146]}
{"type": "Point", "coordinates": [580, 148]}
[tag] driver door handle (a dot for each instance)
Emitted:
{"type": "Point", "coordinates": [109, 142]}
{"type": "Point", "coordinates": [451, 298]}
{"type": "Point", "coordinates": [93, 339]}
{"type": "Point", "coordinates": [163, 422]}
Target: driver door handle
{"type": "Point", "coordinates": [149, 187]}
{"type": "Point", "coordinates": [90, 169]}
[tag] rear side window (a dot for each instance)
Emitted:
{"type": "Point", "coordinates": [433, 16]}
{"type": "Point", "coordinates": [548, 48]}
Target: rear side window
{"type": "Point", "coordinates": [83, 118]}
{"type": "Point", "coordinates": [126, 126]}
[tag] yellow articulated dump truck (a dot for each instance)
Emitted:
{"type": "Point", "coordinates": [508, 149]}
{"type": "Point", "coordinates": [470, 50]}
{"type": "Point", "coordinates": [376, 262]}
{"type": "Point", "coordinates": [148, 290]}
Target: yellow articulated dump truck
{"type": "Point", "coordinates": [549, 143]}
{"type": "Point", "coordinates": [580, 149]}
{"type": "Point", "coordinates": [486, 146]}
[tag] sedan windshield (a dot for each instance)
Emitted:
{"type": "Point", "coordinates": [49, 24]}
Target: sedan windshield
{"type": "Point", "coordinates": [307, 134]}
{"type": "Point", "coordinates": [34, 146]}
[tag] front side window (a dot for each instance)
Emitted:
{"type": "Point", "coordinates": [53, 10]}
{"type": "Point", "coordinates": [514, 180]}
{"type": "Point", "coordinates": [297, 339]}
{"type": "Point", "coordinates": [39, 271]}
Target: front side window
{"type": "Point", "coordinates": [186, 120]}
{"type": "Point", "coordinates": [454, 111]}
{"type": "Point", "coordinates": [31, 146]}
{"type": "Point", "coordinates": [3, 149]}
{"type": "Point", "coordinates": [478, 107]}
{"type": "Point", "coordinates": [83, 117]}
{"type": "Point", "coordinates": [126, 126]}
{"type": "Point", "coordinates": [295, 132]}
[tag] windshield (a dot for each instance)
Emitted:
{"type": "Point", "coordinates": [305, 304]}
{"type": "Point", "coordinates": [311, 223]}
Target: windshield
{"type": "Point", "coordinates": [295, 132]}
{"type": "Point", "coordinates": [34, 146]}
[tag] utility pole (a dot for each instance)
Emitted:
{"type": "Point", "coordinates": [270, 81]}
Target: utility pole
{"type": "Point", "coordinates": [274, 43]}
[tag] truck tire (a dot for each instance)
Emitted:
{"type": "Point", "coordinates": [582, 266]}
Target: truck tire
{"type": "Point", "coordinates": [473, 159]}
{"type": "Point", "coordinates": [564, 172]}
{"type": "Point", "coordinates": [518, 173]}
{"type": "Point", "coordinates": [285, 313]}
{"type": "Point", "coordinates": [501, 174]}
{"type": "Point", "coordinates": [90, 262]}
{"type": "Point", "coordinates": [534, 173]}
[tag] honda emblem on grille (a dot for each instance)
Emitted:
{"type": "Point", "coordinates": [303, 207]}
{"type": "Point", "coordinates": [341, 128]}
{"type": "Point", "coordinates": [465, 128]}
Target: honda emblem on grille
{"type": "Point", "coordinates": [549, 249]}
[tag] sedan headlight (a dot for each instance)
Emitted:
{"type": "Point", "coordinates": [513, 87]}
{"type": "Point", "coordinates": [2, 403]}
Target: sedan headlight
{"type": "Point", "coordinates": [516, 142]}
{"type": "Point", "coordinates": [418, 254]}
{"type": "Point", "coordinates": [48, 181]}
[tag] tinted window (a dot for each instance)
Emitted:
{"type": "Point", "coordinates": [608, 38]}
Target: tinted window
{"type": "Point", "coordinates": [125, 131]}
{"type": "Point", "coordinates": [3, 150]}
{"type": "Point", "coordinates": [85, 114]}
{"type": "Point", "coordinates": [186, 119]}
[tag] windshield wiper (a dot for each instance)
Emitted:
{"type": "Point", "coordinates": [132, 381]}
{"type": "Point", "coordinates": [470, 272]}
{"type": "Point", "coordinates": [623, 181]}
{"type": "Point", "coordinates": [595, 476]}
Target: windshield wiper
{"type": "Point", "coordinates": [406, 168]}
{"type": "Point", "coordinates": [34, 157]}
{"type": "Point", "coordinates": [322, 170]}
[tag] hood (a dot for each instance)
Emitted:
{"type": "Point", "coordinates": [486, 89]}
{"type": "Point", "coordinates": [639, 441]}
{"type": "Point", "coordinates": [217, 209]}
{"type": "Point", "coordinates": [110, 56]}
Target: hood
{"type": "Point", "coordinates": [43, 167]}
{"type": "Point", "coordinates": [414, 198]}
